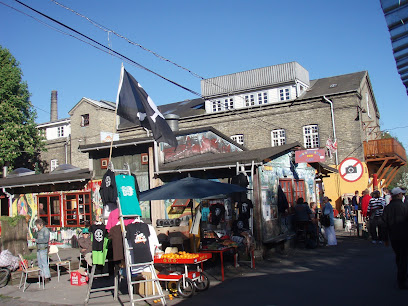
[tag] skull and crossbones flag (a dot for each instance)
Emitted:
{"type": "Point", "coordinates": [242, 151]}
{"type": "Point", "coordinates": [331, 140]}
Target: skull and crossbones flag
{"type": "Point", "coordinates": [135, 105]}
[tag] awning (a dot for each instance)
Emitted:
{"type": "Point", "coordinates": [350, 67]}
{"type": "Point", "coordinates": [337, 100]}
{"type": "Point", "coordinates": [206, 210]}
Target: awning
{"type": "Point", "coordinates": [46, 181]}
{"type": "Point", "coordinates": [323, 168]}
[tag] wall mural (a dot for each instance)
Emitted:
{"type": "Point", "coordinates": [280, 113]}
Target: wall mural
{"type": "Point", "coordinates": [26, 205]}
{"type": "Point", "coordinates": [97, 204]}
{"type": "Point", "coordinates": [196, 144]}
{"type": "Point", "coordinates": [270, 173]}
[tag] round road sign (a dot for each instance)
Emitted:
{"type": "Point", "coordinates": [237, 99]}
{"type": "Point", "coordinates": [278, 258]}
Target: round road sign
{"type": "Point", "coordinates": [351, 169]}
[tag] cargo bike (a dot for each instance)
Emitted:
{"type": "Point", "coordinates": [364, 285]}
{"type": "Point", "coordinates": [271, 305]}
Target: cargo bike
{"type": "Point", "coordinates": [184, 281]}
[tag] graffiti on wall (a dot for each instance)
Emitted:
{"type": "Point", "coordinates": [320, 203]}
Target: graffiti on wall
{"type": "Point", "coordinates": [197, 144]}
{"type": "Point", "coordinates": [97, 204]}
{"type": "Point", "coordinates": [26, 205]}
{"type": "Point", "coordinates": [270, 173]}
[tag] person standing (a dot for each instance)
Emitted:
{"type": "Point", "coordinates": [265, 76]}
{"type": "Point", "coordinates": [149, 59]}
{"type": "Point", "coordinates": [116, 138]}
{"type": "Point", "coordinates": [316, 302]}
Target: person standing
{"type": "Point", "coordinates": [387, 196]}
{"type": "Point", "coordinates": [42, 239]}
{"type": "Point", "coordinates": [395, 217]}
{"type": "Point", "coordinates": [364, 202]}
{"type": "Point", "coordinates": [329, 232]}
{"type": "Point", "coordinates": [375, 211]}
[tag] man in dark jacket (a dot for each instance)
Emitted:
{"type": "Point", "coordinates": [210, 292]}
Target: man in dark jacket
{"type": "Point", "coordinates": [395, 218]}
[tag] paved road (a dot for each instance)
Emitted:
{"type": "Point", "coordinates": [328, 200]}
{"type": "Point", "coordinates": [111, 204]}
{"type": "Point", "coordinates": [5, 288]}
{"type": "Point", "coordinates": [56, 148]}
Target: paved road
{"type": "Point", "coordinates": [355, 272]}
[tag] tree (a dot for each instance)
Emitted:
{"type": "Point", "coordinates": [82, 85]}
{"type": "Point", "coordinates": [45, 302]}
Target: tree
{"type": "Point", "coordinates": [20, 140]}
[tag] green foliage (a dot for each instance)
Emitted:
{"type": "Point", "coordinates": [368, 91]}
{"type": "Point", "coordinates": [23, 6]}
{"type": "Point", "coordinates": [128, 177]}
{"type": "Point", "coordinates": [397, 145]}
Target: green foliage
{"type": "Point", "coordinates": [12, 221]}
{"type": "Point", "coordinates": [20, 140]}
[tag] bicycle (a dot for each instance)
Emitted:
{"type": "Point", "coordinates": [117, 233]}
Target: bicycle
{"type": "Point", "coordinates": [5, 273]}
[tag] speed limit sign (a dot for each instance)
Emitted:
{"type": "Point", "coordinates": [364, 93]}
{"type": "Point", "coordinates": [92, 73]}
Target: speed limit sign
{"type": "Point", "coordinates": [351, 169]}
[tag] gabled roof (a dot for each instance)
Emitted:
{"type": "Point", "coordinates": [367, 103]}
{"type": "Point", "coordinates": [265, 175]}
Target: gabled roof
{"type": "Point", "coordinates": [100, 104]}
{"type": "Point", "coordinates": [334, 85]}
{"type": "Point", "coordinates": [52, 123]}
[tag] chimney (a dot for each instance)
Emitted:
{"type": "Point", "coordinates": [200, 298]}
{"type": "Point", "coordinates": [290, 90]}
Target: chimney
{"type": "Point", "coordinates": [172, 121]}
{"type": "Point", "coordinates": [54, 106]}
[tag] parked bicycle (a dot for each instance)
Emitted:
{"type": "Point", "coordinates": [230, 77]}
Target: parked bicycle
{"type": "Point", "coordinates": [5, 273]}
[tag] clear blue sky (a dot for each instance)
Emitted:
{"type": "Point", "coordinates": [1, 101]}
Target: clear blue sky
{"type": "Point", "coordinates": [209, 37]}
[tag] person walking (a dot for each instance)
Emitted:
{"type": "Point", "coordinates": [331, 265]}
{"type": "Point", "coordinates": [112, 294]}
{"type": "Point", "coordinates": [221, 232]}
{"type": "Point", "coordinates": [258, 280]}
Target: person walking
{"type": "Point", "coordinates": [375, 211]}
{"type": "Point", "coordinates": [395, 217]}
{"type": "Point", "coordinates": [329, 232]}
{"type": "Point", "coordinates": [42, 238]}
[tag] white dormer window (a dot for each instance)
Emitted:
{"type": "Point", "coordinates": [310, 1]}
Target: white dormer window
{"type": "Point", "coordinates": [284, 94]}
{"type": "Point", "coordinates": [238, 138]}
{"type": "Point", "coordinates": [262, 98]}
{"type": "Point", "coordinates": [222, 105]}
{"type": "Point", "coordinates": [60, 131]}
{"type": "Point", "coordinates": [249, 100]}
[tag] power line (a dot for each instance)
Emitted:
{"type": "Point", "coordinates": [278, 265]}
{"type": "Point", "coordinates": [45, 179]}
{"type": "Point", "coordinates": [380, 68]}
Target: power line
{"type": "Point", "coordinates": [126, 59]}
{"type": "Point", "coordinates": [110, 49]}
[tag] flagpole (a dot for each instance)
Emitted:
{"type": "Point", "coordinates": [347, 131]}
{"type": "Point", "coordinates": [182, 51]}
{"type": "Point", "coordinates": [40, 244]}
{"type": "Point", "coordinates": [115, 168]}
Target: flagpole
{"type": "Point", "coordinates": [116, 112]}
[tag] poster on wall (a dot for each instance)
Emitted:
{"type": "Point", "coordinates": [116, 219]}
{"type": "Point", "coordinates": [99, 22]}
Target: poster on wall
{"type": "Point", "coordinates": [266, 207]}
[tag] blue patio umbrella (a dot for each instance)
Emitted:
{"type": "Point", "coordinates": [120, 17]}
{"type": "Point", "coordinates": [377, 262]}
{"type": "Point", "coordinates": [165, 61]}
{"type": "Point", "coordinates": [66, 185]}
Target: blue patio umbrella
{"type": "Point", "coordinates": [189, 188]}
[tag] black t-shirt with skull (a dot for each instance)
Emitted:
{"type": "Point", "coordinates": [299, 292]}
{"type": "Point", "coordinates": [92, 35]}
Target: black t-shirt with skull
{"type": "Point", "coordinates": [245, 209]}
{"type": "Point", "coordinates": [108, 190]}
{"type": "Point", "coordinates": [98, 232]}
{"type": "Point", "coordinates": [217, 213]}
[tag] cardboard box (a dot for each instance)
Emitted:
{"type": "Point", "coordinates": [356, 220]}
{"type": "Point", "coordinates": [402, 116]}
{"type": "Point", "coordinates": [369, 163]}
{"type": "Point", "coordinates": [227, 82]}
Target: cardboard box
{"type": "Point", "coordinates": [146, 288]}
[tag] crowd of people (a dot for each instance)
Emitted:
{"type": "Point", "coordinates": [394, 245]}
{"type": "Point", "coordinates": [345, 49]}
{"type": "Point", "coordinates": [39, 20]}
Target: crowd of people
{"type": "Point", "coordinates": [385, 217]}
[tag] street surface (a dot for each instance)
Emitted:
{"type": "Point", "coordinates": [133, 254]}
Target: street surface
{"type": "Point", "coordinates": [355, 272]}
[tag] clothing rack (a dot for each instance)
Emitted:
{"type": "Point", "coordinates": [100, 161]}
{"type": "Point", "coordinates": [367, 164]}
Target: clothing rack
{"type": "Point", "coordinates": [157, 290]}
{"type": "Point", "coordinates": [154, 280]}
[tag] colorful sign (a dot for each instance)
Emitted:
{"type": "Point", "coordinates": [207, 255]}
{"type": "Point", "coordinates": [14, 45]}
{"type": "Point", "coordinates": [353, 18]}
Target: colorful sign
{"type": "Point", "coordinates": [351, 169]}
{"type": "Point", "coordinates": [310, 156]}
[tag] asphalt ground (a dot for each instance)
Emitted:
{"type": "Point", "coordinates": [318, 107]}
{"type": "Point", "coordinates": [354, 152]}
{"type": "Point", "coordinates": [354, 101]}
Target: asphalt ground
{"type": "Point", "coordinates": [355, 272]}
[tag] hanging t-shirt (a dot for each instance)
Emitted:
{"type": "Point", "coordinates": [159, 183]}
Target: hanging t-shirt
{"type": "Point", "coordinates": [99, 257]}
{"type": "Point", "coordinates": [217, 213]}
{"type": "Point", "coordinates": [127, 195]}
{"type": "Point", "coordinates": [115, 234]}
{"type": "Point", "coordinates": [108, 190]}
{"type": "Point", "coordinates": [137, 235]}
{"type": "Point", "coordinates": [98, 232]}
{"type": "Point", "coordinates": [244, 209]}
{"type": "Point", "coordinates": [205, 211]}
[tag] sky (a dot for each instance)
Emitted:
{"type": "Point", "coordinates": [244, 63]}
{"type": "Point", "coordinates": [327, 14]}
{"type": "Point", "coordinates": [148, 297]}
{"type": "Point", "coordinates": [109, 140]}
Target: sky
{"type": "Point", "coordinates": [210, 38]}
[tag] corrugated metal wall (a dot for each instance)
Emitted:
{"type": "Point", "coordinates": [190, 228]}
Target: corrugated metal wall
{"type": "Point", "coordinates": [256, 78]}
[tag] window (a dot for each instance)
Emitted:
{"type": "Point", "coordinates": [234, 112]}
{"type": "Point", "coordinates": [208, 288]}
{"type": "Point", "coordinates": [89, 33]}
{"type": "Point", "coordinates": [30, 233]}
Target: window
{"type": "Point", "coordinates": [249, 100]}
{"type": "Point", "coordinates": [60, 131]}
{"type": "Point", "coordinates": [284, 94]}
{"type": "Point", "coordinates": [311, 136]}
{"type": "Point", "coordinates": [54, 164]}
{"type": "Point", "coordinates": [49, 209]}
{"type": "Point", "coordinates": [222, 105]}
{"type": "Point", "coordinates": [278, 137]}
{"type": "Point", "coordinates": [262, 98]}
{"type": "Point", "coordinates": [85, 120]}
{"type": "Point", "coordinates": [77, 209]}
{"type": "Point", "coordinates": [239, 138]}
